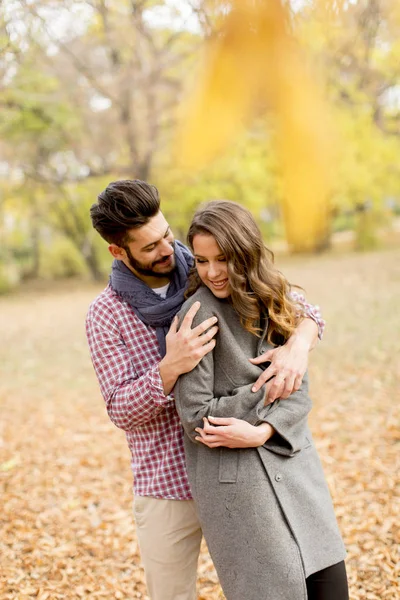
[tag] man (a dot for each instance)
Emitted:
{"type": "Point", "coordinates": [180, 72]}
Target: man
{"type": "Point", "coordinates": [138, 354]}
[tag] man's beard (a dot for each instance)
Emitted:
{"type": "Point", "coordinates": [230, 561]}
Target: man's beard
{"type": "Point", "coordinates": [148, 269]}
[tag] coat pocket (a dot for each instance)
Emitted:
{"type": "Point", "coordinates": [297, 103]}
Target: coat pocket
{"type": "Point", "coordinates": [228, 465]}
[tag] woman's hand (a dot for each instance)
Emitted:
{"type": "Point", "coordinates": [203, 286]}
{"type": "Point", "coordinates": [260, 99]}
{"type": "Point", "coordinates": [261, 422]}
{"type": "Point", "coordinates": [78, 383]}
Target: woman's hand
{"type": "Point", "coordinates": [288, 363]}
{"type": "Point", "coordinates": [233, 433]}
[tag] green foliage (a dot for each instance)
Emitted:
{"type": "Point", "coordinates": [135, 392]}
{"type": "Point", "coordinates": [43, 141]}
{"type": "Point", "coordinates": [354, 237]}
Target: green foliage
{"type": "Point", "coordinates": [32, 111]}
{"type": "Point", "coordinates": [366, 163]}
{"type": "Point", "coordinates": [9, 277]}
{"type": "Point", "coordinates": [366, 231]}
{"type": "Point", "coordinates": [61, 146]}
{"type": "Point", "coordinates": [245, 174]}
{"type": "Point", "coordinates": [100, 248]}
{"type": "Point", "coordinates": [60, 259]}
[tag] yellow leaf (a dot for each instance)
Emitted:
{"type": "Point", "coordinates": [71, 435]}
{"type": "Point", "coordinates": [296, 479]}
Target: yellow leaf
{"type": "Point", "coordinates": [9, 464]}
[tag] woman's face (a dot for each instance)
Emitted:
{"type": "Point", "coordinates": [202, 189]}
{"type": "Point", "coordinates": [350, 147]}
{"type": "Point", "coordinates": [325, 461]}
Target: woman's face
{"type": "Point", "coordinates": [211, 265]}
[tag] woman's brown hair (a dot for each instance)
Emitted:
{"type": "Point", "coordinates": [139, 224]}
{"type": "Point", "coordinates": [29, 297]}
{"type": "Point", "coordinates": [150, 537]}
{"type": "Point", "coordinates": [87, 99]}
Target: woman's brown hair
{"type": "Point", "coordinates": [257, 285]}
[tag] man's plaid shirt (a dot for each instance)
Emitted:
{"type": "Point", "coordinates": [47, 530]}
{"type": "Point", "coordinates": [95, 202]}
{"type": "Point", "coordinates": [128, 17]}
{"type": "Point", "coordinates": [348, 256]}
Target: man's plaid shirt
{"type": "Point", "coordinates": [125, 356]}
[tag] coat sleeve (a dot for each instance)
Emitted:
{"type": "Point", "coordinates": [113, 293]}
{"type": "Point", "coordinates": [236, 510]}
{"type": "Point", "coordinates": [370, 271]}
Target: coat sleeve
{"type": "Point", "coordinates": [195, 399]}
{"type": "Point", "coordinates": [289, 419]}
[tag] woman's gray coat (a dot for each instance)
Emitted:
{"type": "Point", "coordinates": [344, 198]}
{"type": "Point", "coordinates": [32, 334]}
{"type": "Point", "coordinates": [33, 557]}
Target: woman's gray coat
{"type": "Point", "coordinates": [266, 512]}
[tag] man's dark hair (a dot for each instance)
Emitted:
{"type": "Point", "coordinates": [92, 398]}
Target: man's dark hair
{"type": "Point", "coordinates": [123, 205]}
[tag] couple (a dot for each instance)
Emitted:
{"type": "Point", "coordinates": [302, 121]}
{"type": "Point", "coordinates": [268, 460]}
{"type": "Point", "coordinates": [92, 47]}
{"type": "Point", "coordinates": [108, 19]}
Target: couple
{"type": "Point", "coordinates": [260, 497]}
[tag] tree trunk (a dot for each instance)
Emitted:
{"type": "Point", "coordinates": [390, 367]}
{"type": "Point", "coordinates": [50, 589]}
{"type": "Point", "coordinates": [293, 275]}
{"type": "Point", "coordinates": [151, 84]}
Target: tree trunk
{"type": "Point", "coordinates": [32, 271]}
{"type": "Point", "coordinates": [91, 258]}
{"type": "Point", "coordinates": [366, 228]}
{"type": "Point", "coordinates": [142, 170]}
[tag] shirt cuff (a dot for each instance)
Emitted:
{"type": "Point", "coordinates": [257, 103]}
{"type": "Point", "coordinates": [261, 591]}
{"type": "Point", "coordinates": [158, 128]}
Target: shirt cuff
{"type": "Point", "coordinates": [311, 311]}
{"type": "Point", "coordinates": [316, 317]}
{"type": "Point", "coordinates": [158, 389]}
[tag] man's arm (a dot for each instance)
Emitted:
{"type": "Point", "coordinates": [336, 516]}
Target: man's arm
{"type": "Point", "coordinates": [311, 311]}
{"type": "Point", "coordinates": [132, 400]}
{"type": "Point", "coordinates": [290, 361]}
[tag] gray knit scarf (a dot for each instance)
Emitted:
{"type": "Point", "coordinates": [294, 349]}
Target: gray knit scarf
{"type": "Point", "coordinates": [150, 308]}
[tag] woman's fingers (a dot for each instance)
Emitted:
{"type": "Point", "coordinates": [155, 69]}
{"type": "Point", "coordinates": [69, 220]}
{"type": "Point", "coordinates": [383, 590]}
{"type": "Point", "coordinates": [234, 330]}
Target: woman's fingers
{"type": "Point", "coordinates": [208, 439]}
{"type": "Point", "coordinates": [221, 420]}
{"type": "Point", "coordinates": [211, 436]}
{"type": "Point", "coordinates": [208, 443]}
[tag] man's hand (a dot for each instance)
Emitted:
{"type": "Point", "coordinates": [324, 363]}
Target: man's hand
{"type": "Point", "coordinates": [233, 433]}
{"type": "Point", "coordinates": [186, 346]}
{"type": "Point", "coordinates": [288, 363]}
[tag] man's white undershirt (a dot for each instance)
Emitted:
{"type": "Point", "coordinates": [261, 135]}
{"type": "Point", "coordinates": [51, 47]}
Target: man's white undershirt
{"type": "Point", "coordinates": [162, 291]}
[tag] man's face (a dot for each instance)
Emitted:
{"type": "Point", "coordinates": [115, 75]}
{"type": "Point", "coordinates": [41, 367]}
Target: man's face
{"type": "Point", "coordinates": [150, 249]}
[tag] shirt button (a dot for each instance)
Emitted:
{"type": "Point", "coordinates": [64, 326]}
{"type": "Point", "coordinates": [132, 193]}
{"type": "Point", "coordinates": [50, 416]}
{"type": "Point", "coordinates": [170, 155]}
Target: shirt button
{"type": "Point", "coordinates": [278, 477]}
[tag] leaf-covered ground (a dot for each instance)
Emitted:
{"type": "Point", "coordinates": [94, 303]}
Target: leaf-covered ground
{"type": "Point", "coordinates": [66, 527]}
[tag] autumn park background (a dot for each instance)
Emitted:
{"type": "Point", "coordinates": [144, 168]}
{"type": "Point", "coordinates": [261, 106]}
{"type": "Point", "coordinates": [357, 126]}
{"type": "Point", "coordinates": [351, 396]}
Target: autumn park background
{"type": "Point", "coordinates": [291, 108]}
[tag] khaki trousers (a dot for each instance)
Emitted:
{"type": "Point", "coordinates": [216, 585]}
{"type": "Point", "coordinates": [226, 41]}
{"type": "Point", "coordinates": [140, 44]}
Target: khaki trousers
{"type": "Point", "coordinates": [169, 536]}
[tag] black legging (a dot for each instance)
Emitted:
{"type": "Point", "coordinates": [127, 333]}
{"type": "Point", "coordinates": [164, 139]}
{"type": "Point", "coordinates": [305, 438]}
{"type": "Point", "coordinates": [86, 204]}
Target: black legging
{"type": "Point", "coordinates": [328, 584]}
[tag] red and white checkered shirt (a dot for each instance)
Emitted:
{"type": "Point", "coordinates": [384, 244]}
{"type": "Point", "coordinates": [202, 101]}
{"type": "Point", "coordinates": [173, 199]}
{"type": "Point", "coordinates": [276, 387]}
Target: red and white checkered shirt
{"type": "Point", "coordinates": [126, 356]}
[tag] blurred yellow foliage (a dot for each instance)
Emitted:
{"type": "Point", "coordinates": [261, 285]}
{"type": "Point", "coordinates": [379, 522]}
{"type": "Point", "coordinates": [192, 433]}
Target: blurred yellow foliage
{"type": "Point", "coordinates": [254, 63]}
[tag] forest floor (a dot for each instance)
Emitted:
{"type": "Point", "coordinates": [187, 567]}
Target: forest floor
{"type": "Point", "coordinates": [66, 526]}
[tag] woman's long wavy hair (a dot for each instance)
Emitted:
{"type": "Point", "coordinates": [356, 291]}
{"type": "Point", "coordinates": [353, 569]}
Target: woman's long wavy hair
{"type": "Point", "coordinates": [258, 288]}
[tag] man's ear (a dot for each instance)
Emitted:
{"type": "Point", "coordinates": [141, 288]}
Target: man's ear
{"type": "Point", "coordinates": [117, 252]}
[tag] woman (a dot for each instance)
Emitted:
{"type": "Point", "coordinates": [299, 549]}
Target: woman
{"type": "Point", "coordinates": [266, 512]}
